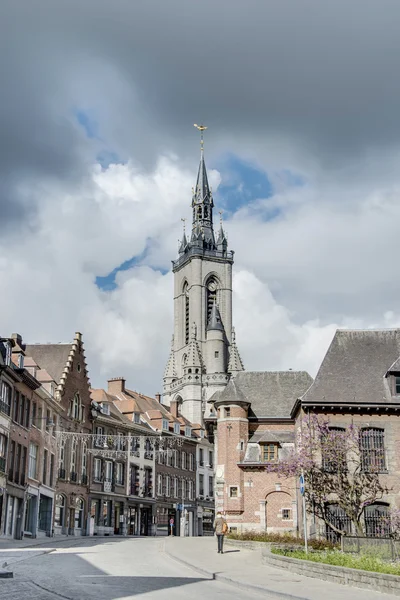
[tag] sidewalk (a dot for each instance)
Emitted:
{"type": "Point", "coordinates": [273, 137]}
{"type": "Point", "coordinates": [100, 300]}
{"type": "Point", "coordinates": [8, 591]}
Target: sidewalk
{"type": "Point", "coordinates": [243, 568]}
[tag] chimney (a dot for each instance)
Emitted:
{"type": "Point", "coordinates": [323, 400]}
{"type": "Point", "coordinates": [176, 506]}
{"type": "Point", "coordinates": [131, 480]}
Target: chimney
{"type": "Point", "coordinates": [158, 398]}
{"type": "Point", "coordinates": [173, 409]}
{"type": "Point", "coordinates": [116, 385]}
{"type": "Point", "coordinates": [17, 339]}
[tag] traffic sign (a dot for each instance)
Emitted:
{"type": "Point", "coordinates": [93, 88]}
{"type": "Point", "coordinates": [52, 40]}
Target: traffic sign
{"type": "Point", "coordinates": [302, 485]}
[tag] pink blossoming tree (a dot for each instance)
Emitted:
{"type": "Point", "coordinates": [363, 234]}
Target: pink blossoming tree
{"type": "Point", "coordinates": [341, 466]}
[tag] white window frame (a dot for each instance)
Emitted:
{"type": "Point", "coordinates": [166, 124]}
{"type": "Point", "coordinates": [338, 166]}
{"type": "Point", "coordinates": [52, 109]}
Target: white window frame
{"type": "Point", "coordinates": [119, 476]}
{"type": "Point", "coordinates": [177, 428]}
{"type": "Point", "coordinates": [136, 418]}
{"type": "Point", "coordinates": [108, 470]}
{"type": "Point", "coordinates": [191, 462]}
{"type": "Point", "coordinates": [33, 460]}
{"type": "Point", "coordinates": [165, 425]}
{"type": "Point", "coordinates": [188, 431]}
{"type": "Point", "coordinates": [176, 487]}
{"type": "Point", "coordinates": [184, 461]}
{"type": "Point", "coordinates": [233, 487]}
{"type": "Point", "coordinates": [97, 469]}
{"type": "Point", "coordinates": [84, 459]}
{"type": "Point", "coordinates": [167, 486]}
{"type": "Point", "coordinates": [159, 484]}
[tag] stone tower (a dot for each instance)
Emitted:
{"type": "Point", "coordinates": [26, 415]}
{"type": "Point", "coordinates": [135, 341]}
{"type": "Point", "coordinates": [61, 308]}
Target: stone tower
{"type": "Point", "coordinates": [203, 354]}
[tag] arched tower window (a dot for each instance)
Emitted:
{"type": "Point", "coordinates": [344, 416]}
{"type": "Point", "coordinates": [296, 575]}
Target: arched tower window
{"type": "Point", "coordinates": [186, 315]}
{"type": "Point", "coordinates": [211, 295]}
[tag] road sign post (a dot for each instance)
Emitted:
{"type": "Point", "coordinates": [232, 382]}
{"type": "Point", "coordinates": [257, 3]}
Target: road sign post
{"type": "Point", "coordinates": [302, 491]}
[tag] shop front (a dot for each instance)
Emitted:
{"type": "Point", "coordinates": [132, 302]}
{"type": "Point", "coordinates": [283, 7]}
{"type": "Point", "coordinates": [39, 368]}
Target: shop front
{"type": "Point", "coordinates": [109, 516]}
{"type": "Point", "coordinates": [140, 519]}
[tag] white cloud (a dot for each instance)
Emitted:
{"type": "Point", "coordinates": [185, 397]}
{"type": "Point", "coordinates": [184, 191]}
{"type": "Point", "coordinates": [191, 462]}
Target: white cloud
{"type": "Point", "coordinates": [321, 264]}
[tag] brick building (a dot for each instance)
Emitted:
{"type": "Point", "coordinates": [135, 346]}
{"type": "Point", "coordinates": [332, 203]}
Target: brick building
{"type": "Point", "coordinates": [65, 365]}
{"type": "Point", "coordinates": [254, 426]}
{"type": "Point", "coordinates": [8, 378]}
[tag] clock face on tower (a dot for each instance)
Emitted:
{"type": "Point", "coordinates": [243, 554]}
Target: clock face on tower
{"type": "Point", "coordinates": [212, 286]}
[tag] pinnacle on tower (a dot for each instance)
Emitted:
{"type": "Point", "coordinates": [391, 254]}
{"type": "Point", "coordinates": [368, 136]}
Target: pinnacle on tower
{"type": "Point", "coordinates": [235, 364]}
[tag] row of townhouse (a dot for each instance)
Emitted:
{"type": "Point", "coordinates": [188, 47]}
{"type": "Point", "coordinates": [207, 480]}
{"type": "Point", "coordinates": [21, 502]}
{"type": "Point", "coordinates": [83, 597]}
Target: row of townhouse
{"type": "Point", "coordinates": [82, 461]}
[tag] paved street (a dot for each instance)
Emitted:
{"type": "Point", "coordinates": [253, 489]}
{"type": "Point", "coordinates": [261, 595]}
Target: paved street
{"type": "Point", "coordinates": [156, 568]}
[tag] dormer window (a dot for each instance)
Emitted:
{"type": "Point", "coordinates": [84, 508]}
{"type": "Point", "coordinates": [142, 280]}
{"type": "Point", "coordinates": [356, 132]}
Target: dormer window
{"type": "Point", "coordinates": [136, 418]}
{"type": "Point", "coordinates": [177, 428]}
{"type": "Point", "coordinates": [165, 424]}
{"type": "Point", "coordinates": [105, 409]}
{"type": "Point", "coordinates": [202, 433]}
{"type": "Point", "coordinates": [269, 452]}
{"type": "Point", "coordinates": [20, 361]}
{"type": "Point", "coordinates": [397, 386]}
{"type": "Point", "coordinates": [188, 431]}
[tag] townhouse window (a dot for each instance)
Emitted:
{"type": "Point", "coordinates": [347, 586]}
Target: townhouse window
{"type": "Point", "coordinates": [233, 491]}
{"type": "Point", "coordinates": [120, 474]}
{"type": "Point", "coordinates": [48, 420]}
{"type": "Point", "coordinates": [51, 479]}
{"type": "Point", "coordinates": [177, 428]}
{"type": "Point", "coordinates": [159, 485]}
{"type": "Point", "coordinates": [168, 456]}
{"type": "Point", "coordinates": [183, 489]}
{"type": "Point", "coordinates": [397, 386]}
{"type": "Point", "coordinates": [16, 406]}
{"type": "Point", "coordinates": [161, 457]}
{"type": "Point", "coordinates": [191, 490]}
{"type": "Point", "coordinates": [372, 447]}
{"type": "Point", "coordinates": [108, 470]}
{"type": "Point", "coordinates": [188, 431]}
{"type": "Point", "coordinates": [148, 482]}
{"type": "Point", "coordinates": [269, 452]}
{"type": "Point", "coordinates": [59, 514]}
{"type": "Point", "coordinates": [84, 463]}
{"type": "Point", "coordinates": [45, 460]}
{"type": "Point", "coordinates": [210, 459]}
{"type": "Point", "coordinates": [184, 464]}
{"type": "Point", "coordinates": [176, 487]}
{"type": "Point", "coordinates": [72, 466]}
{"type": "Point", "coordinates": [97, 469]}
{"type": "Point", "coordinates": [191, 462]}
{"type": "Point", "coordinates": [211, 486]}
{"type": "Point", "coordinates": [134, 481]}
{"type": "Point", "coordinates": [34, 413]}
{"type": "Point", "coordinates": [18, 463]}
{"type": "Point", "coordinates": [3, 453]}
{"type": "Point", "coordinates": [201, 485]}
{"type": "Point", "coordinates": [79, 509]}
{"type": "Point", "coordinates": [165, 424]}
{"type": "Point", "coordinates": [33, 458]}
{"type": "Point", "coordinates": [61, 460]}
{"type": "Point", "coordinates": [21, 412]}
{"type": "Point", "coordinates": [167, 486]}
{"type": "Point", "coordinates": [11, 461]}
{"type": "Point", "coordinates": [188, 490]}
{"type": "Point", "coordinates": [201, 458]}
{"type": "Point", "coordinates": [27, 412]}
{"type": "Point", "coordinates": [334, 451]}
{"type": "Point", "coordinates": [5, 403]}
{"type": "Point", "coordinates": [286, 514]}
{"type": "Point", "coordinates": [176, 459]}
{"type": "Point", "coordinates": [23, 464]}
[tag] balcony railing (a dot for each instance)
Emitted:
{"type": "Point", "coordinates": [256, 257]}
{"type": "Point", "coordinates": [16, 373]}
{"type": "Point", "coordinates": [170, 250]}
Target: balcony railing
{"type": "Point", "coordinates": [3, 464]}
{"type": "Point", "coordinates": [5, 408]}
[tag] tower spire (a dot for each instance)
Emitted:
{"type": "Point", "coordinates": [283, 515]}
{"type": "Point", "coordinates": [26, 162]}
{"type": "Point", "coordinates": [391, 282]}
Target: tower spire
{"type": "Point", "coordinates": [202, 204]}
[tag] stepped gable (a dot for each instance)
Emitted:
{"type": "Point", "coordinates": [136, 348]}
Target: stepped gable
{"type": "Point", "coordinates": [355, 367]}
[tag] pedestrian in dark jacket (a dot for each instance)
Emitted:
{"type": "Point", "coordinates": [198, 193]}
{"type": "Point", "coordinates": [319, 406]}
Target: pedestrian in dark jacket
{"type": "Point", "coordinates": [221, 528]}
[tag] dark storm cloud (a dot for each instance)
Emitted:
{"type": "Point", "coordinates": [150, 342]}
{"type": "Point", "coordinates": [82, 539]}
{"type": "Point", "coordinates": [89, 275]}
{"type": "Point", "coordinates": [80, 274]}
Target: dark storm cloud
{"type": "Point", "coordinates": [323, 75]}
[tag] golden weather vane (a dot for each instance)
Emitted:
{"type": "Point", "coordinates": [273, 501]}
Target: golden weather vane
{"type": "Point", "coordinates": [201, 128]}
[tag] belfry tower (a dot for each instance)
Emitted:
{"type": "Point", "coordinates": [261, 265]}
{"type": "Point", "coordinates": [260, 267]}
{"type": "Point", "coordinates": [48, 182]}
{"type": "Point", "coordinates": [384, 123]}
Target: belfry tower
{"type": "Point", "coordinates": [203, 354]}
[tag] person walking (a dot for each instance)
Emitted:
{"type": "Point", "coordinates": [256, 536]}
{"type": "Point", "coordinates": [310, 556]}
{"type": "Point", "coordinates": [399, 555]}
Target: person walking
{"type": "Point", "coordinates": [221, 528]}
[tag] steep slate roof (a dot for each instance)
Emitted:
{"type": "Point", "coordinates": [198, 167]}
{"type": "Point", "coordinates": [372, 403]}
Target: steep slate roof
{"type": "Point", "coordinates": [52, 357]}
{"type": "Point", "coordinates": [355, 366]}
{"type": "Point", "coordinates": [270, 393]}
{"type": "Point", "coordinates": [284, 437]}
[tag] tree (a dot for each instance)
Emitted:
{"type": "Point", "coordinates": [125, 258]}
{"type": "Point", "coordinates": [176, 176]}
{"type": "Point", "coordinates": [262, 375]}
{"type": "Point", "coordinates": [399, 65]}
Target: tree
{"type": "Point", "coordinates": [340, 465]}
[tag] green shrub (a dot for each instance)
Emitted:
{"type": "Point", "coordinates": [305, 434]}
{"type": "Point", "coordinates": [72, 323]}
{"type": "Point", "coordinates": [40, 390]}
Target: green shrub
{"type": "Point", "coordinates": [280, 538]}
{"type": "Point", "coordinates": [340, 559]}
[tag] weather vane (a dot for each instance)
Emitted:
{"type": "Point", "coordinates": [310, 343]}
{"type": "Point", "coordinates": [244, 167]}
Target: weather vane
{"type": "Point", "coordinates": [201, 128]}
{"type": "Point", "coordinates": [184, 224]}
{"type": "Point", "coordinates": [220, 217]}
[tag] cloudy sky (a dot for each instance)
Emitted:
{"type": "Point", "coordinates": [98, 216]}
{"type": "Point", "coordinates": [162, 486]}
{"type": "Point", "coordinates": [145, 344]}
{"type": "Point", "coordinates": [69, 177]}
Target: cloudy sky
{"type": "Point", "coordinates": [98, 155]}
